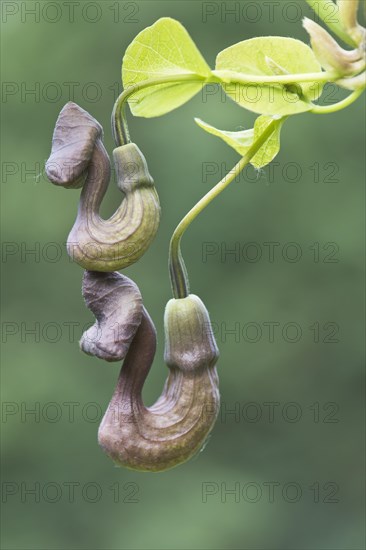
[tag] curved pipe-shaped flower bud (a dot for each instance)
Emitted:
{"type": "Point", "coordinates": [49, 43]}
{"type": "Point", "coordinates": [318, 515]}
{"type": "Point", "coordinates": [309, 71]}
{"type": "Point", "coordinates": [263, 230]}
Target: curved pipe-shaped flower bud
{"type": "Point", "coordinates": [116, 302]}
{"type": "Point", "coordinates": [329, 53]}
{"type": "Point", "coordinates": [175, 428]}
{"type": "Point", "coordinates": [94, 243]}
{"type": "Point", "coordinates": [107, 245]}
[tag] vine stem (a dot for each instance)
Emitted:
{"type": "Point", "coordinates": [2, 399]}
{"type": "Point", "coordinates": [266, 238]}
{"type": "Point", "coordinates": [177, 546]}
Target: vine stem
{"type": "Point", "coordinates": [119, 123]}
{"type": "Point", "coordinates": [177, 270]}
{"type": "Point", "coordinates": [327, 109]}
{"type": "Point", "coordinates": [232, 77]}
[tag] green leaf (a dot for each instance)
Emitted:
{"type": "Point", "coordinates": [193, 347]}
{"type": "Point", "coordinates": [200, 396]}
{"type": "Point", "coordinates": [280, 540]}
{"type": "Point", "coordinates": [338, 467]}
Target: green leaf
{"type": "Point", "coordinates": [271, 147]}
{"type": "Point", "coordinates": [259, 56]}
{"type": "Point", "coordinates": [162, 50]}
{"type": "Point", "coordinates": [242, 141]}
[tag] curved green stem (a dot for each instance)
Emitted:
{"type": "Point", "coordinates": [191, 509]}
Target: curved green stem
{"type": "Point", "coordinates": [119, 123]}
{"type": "Point", "coordinates": [232, 77]}
{"type": "Point", "coordinates": [327, 109]}
{"type": "Point", "coordinates": [177, 270]}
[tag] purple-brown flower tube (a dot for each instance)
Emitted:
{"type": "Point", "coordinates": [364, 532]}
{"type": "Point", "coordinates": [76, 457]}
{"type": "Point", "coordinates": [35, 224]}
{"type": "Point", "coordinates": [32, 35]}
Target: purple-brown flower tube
{"type": "Point", "coordinates": [175, 428]}
{"type": "Point", "coordinates": [78, 158]}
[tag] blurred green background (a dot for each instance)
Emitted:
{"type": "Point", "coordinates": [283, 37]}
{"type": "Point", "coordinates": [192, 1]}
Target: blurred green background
{"type": "Point", "coordinates": [285, 470]}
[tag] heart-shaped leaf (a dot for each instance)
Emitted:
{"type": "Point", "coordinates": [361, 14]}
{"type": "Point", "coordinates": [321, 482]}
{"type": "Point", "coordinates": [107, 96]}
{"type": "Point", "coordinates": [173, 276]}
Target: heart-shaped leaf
{"type": "Point", "coordinates": [271, 147]}
{"type": "Point", "coordinates": [251, 57]}
{"type": "Point", "coordinates": [242, 141]}
{"type": "Point", "coordinates": [162, 50]}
